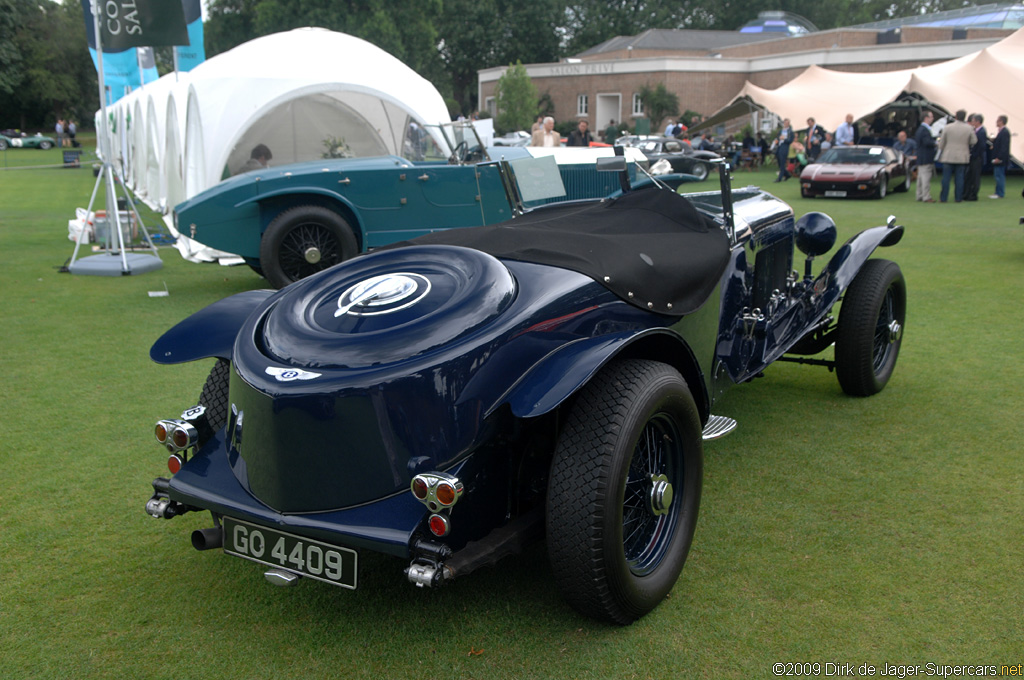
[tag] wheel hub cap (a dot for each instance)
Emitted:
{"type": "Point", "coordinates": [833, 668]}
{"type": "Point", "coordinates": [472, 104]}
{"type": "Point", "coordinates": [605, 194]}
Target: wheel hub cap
{"type": "Point", "coordinates": [661, 494]}
{"type": "Point", "coordinates": [312, 255]}
{"type": "Point", "coordinates": [895, 331]}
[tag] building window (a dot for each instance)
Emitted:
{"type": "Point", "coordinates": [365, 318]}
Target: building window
{"type": "Point", "coordinates": [491, 106]}
{"type": "Point", "coordinates": [638, 105]}
{"type": "Point", "coordinates": [582, 105]}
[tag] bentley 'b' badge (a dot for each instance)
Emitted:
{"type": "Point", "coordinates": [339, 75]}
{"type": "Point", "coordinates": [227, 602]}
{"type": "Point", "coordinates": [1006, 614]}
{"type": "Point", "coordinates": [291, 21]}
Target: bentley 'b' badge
{"type": "Point", "coordinates": [289, 374]}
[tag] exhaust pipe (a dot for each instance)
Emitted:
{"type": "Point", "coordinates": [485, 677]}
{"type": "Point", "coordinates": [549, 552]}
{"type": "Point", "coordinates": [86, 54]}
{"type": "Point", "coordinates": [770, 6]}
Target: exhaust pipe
{"type": "Point", "coordinates": [207, 539]}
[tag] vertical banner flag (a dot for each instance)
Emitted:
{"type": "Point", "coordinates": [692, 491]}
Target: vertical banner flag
{"type": "Point", "coordinates": [125, 27]}
{"type": "Point", "coordinates": [191, 56]}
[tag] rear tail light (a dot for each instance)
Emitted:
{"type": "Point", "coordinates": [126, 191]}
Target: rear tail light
{"type": "Point", "coordinates": [177, 436]}
{"type": "Point", "coordinates": [439, 525]}
{"type": "Point", "coordinates": [445, 494]}
{"type": "Point", "coordinates": [436, 490]}
{"type": "Point", "coordinates": [174, 463]}
{"type": "Point", "coordinates": [420, 488]}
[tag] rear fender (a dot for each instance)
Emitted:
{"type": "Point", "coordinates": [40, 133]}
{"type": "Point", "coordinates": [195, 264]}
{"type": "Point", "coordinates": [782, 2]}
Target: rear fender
{"type": "Point", "coordinates": [210, 332]}
{"type": "Point", "coordinates": [561, 373]}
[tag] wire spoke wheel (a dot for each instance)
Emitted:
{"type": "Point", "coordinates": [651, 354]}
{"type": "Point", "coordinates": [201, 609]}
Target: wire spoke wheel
{"type": "Point", "coordinates": [302, 241]}
{"type": "Point", "coordinates": [648, 495]}
{"type": "Point", "coordinates": [624, 490]}
{"type": "Point", "coordinates": [870, 331]}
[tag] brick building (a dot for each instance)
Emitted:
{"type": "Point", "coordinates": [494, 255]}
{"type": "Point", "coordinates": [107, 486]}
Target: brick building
{"type": "Point", "coordinates": [706, 69]}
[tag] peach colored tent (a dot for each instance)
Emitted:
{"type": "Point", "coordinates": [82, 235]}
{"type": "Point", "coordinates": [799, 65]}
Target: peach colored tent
{"type": "Point", "coordinates": [989, 82]}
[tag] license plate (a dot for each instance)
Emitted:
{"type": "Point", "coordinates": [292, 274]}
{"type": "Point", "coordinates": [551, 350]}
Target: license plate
{"type": "Point", "coordinates": [835, 194]}
{"type": "Point", "coordinates": [304, 556]}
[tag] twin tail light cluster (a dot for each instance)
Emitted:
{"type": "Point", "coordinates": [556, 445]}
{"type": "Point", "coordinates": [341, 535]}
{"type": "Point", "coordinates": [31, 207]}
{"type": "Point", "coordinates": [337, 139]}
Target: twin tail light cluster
{"type": "Point", "coordinates": [178, 436]}
{"type": "Point", "coordinates": [439, 492]}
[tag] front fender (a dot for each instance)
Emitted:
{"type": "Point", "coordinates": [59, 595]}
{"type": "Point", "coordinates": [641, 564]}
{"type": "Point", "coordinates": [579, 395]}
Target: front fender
{"type": "Point", "coordinates": [849, 259]}
{"type": "Point", "coordinates": [210, 332]}
{"type": "Point", "coordinates": [561, 373]}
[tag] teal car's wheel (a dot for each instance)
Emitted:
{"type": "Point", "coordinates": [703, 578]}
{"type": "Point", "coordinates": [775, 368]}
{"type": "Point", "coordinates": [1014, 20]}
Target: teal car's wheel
{"type": "Point", "coordinates": [302, 241]}
{"type": "Point", "coordinates": [870, 328]}
{"type": "Point", "coordinates": [3, 145]}
{"type": "Point", "coordinates": [624, 491]}
{"type": "Point", "coordinates": [45, 145]}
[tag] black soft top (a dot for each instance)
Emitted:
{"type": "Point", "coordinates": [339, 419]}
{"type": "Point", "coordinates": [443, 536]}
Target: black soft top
{"type": "Point", "coordinates": [650, 247]}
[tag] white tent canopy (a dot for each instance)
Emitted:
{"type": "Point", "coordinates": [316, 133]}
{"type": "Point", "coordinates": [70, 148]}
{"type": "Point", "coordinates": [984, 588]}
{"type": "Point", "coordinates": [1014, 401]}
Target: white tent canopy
{"type": "Point", "coordinates": [989, 82]}
{"type": "Point", "coordinates": [302, 93]}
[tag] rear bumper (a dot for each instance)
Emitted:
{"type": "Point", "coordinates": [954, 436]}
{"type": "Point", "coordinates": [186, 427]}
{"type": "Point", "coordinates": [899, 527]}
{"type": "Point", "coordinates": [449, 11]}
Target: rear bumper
{"type": "Point", "coordinates": [387, 525]}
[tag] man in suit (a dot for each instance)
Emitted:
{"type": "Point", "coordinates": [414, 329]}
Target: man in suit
{"type": "Point", "coordinates": [972, 181]}
{"type": "Point", "coordinates": [782, 149]}
{"type": "Point", "coordinates": [812, 142]}
{"type": "Point", "coordinates": [1000, 156]}
{"type": "Point", "coordinates": [925, 157]}
{"type": "Point", "coordinates": [955, 144]}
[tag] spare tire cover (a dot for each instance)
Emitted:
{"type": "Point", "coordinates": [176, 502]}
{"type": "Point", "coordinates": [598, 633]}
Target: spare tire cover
{"type": "Point", "coordinates": [385, 307]}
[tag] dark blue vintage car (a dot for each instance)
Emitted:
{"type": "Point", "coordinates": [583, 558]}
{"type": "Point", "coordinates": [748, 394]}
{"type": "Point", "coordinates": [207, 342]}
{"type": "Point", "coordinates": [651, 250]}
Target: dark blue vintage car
{"type": "Point", "coordinates": [448, 400]}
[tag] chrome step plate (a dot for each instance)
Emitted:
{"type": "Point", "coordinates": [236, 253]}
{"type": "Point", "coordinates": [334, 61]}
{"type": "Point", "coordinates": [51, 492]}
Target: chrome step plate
{"type": "Point", "coordinates": [718, 427]}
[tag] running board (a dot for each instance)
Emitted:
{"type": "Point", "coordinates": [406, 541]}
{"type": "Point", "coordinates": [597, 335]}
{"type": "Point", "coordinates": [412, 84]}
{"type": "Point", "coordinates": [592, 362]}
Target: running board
{"type": "Point", "coordinates": [718, 426]}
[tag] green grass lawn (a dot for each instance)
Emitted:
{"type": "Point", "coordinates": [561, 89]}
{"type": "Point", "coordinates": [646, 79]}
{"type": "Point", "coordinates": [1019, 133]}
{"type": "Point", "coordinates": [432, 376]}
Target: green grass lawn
{"type": "Point", "coordinates": [833, 529]}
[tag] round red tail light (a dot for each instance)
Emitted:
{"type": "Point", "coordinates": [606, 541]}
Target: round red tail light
{"type": "Point", "coordinates": [174, 463]}
{"type": "Point", "coordinates": [445, 494]}
{"type": "Point", "coordinates": [439, 525]}
{"type": "Point", "coordinates": [419, 487]}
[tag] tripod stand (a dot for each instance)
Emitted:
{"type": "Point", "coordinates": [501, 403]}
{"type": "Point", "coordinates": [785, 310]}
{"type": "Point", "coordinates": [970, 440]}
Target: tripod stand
{"type": "Point", "coordinates": [115, 261]}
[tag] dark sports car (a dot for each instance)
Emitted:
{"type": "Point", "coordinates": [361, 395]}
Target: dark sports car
{"type": "Point", "coordinates": [680, 157]}
{"type": "Point", "coordinates": [448, 400]}
{"type": "Point", "coordinates": [856, 172]}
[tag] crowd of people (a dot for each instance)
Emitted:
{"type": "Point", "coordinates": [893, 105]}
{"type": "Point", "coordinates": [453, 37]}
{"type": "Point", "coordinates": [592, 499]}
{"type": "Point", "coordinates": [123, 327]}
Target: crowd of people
{"type": "Point", "coordinates": [963, 147]}
{"type": "Point", "coordinates": [65, 131]}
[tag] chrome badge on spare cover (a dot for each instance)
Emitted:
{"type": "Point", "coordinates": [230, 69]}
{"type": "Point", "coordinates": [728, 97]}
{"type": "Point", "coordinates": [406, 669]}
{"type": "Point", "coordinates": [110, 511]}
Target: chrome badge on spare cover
{"type": "Point", "coordinates": [383, 294]}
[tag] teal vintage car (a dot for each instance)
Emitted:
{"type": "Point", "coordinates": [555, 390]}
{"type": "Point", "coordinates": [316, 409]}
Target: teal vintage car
{"type": "Point", "coordinates": [36, 141]}
{"type": "Point", "coordinates": [292, 221]}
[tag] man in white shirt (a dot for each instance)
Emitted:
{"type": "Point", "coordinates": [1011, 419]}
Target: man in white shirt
{"type": "Point", "coordinates": [844, 133]}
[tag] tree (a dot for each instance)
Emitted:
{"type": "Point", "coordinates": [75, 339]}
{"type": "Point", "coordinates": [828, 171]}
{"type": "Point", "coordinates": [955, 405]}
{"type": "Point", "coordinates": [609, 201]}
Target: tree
{"type": "Point", "coordinates": [659, 103]}
{"type": "Point", "coordinates": [516, 98]}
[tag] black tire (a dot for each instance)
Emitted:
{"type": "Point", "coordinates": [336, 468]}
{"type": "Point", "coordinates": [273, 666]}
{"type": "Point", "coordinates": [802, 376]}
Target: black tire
{"type": "Point", "coordinates": [45, 146]}
{"type": "Point", "coordinates": [634, 421]}
{"type": "Point", "coordinates": [700, 171]}
{"type": "Point", "coordinates": [883, 188]}
{"type": "Point", "coordinates": [904, 185]}
{"type": "Point", "coordinates": [3, 145]}
{"type": "Point", "coordinates": [302, 241]}
{"type": "Point", "coordinates": [214, 395]}
{"type": "Point", "coordinates": [870, 328]}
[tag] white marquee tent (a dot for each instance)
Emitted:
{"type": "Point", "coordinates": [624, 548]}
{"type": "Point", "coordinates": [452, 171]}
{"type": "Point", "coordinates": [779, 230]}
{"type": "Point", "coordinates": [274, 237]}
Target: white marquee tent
{"type": "Point", "coordinates": [300, 92]}
{"type": "Point", "coordinates": [990, 82]}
